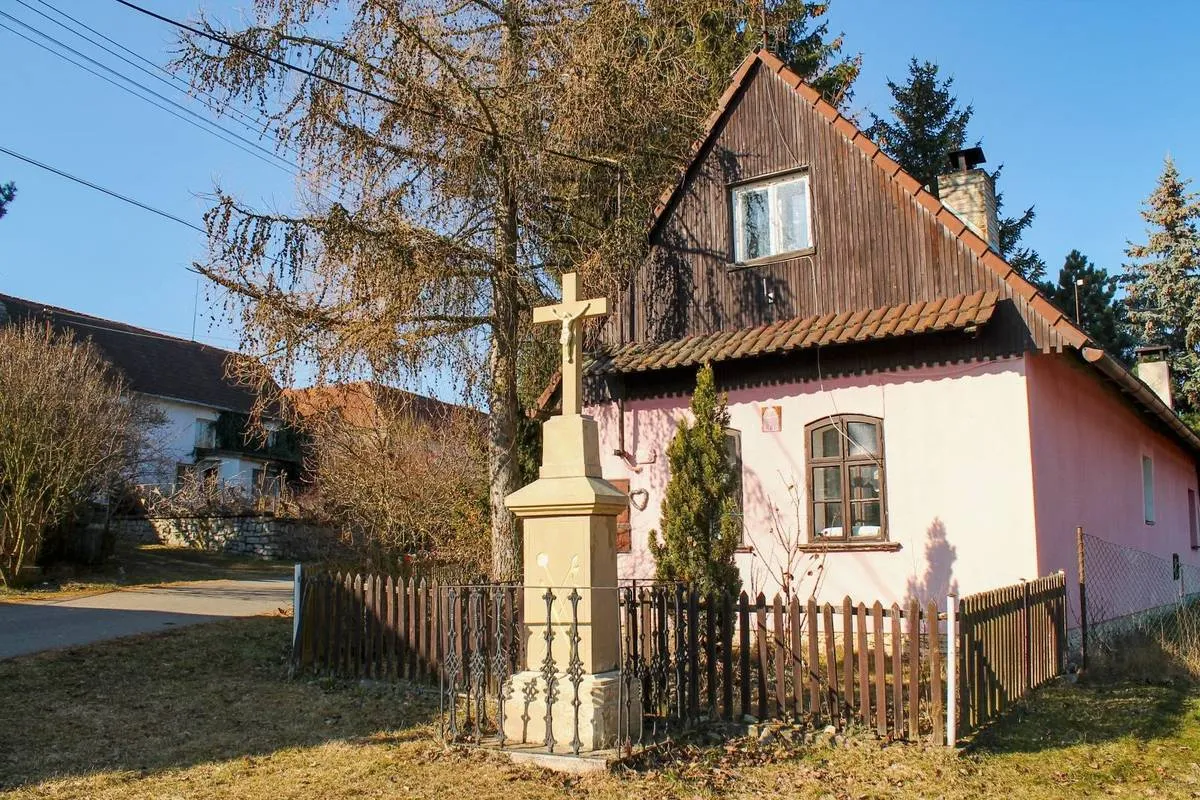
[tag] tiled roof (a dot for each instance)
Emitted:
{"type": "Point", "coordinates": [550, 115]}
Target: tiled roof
{"type": "Point", "coordinates": [152, 363]}
{"type": "Point", "coordinates": [359, 401]}
{"type": "Point", "coordinates": [946, 314]}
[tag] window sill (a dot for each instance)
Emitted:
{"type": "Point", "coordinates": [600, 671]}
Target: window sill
{"type": "Point", "coordinates": [735, 266]}
{"type": "Point", "coordinates": [850, 547]}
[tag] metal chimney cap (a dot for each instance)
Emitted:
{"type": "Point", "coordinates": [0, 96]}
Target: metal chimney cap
{"type": "Point", "coordinates": [969, 158]}
{"type": "Point", "coordinates": [1152, 352]}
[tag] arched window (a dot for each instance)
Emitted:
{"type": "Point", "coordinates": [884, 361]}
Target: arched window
{"type": "Point", "coordinates": [845, 479]}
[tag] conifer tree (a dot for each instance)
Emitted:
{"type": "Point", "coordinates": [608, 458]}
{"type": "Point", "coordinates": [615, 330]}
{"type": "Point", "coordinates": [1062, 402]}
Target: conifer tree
{"type": "Point", "coordinates": [927, 125]}
{"type": "Point", "coordinates": [1101, 316]}
{"type": "Point", "coordinates": [1162, 281]}
{"type": "Point", "coordinates": [700, 523]}
{"type": "Point", "coordinates": [8, 191]}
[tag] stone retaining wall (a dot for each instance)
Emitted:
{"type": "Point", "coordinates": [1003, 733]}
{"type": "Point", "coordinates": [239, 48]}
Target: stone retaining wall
{"type": "Point", "coordinates": [260, 536]}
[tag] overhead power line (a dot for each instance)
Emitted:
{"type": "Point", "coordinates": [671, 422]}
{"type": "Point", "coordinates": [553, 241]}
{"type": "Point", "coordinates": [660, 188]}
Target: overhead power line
{"type": "Point", "coordinates": [247, 121]}
{"type": "Point", "coordinates": [242, 143]}
{"type": "Point", "coordinates": [349, 87]}
{"type": "Point", "coordinates": [99, 188]}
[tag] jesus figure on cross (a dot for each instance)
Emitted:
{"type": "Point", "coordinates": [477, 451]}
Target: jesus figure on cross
{"type": "Point", "coordinates": [569, 313]}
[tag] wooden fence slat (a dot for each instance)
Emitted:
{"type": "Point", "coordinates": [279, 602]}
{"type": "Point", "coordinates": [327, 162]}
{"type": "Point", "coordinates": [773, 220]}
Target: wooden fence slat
{"type": "Point", "coordinates": [781, 659]}
{"type": "Point", "coordinates": [914, 669]}
{"type": "Point", "coordinates": [881, 715]}
{"type": "Point", "coordinates": [936, 698]}
{"type": "Point", "coordinates": [864, 664]}
{"type": "Point", "coordinates": [763, 639]}
{"type": "Point", "coordinates": [897, 674]}
{"type": "Point", "coordinates": [423, 641]}
{"type": "Point", "coordinates": [744, 651]}
{"type": "Point", "coordinates": [693, 646]}
{"type": "Point", "coordinates": [830, 663]}
{"type": "Point", "coordinates": [727, 620]}
{"type": "Point", "coordinates": [796, 627]}
{"type": "Point", "coordinates": [847, 659]}
{"type": "Point", "coordinates": [814, 661]}
{"type": "Point", "coordinates": [711, 648]}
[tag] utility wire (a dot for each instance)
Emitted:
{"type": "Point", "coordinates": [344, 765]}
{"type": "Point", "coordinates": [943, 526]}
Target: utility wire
{"type": "Point", "coordinates": [99, 188]}
{"type": "Point", "coordinates": [247, 146]}
{"type": "Point", "coordinates": [251, 122]}
{"type": "Point", "coordinates": [604, 162]}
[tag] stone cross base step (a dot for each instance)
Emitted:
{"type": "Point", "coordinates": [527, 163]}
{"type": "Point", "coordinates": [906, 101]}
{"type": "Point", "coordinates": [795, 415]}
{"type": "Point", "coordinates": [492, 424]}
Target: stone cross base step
{"type": "Point", "coordinates": [607, 716]}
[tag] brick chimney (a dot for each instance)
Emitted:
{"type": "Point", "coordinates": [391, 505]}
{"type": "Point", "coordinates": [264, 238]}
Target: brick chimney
{"type": "Point", "coordinates": [971, 195]}
{"type": "Point", "coordinates": [1155, 371]}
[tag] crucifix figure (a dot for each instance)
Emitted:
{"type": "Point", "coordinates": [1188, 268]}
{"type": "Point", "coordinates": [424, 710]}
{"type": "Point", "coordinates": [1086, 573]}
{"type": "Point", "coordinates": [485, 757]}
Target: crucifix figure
{"type": "Point", "coordinates": [569, 313]}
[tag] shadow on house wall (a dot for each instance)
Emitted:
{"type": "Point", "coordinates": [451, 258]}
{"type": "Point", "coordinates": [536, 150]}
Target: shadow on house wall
{"type": "Point", "coordinates": [938, 579]}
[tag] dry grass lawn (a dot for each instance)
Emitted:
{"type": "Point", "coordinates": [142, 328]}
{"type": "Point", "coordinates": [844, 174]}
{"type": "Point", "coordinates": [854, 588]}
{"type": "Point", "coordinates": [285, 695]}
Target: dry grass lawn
{"type": "Point", "coordinates": [207, 712]}
{"type": "Point", "coordinates": [143, 565]}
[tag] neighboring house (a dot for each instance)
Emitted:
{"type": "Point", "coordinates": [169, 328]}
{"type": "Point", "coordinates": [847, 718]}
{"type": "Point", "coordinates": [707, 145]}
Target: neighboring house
{"type": "Point", "coordinates": [908, 414]}
{"type": "Point", "coordinates": [359, 404]}
{"type": "Point", "coordinates": [205, 412]}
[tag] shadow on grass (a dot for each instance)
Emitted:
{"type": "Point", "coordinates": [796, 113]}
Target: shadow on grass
{"type": "Point", "coordinates": [1139, 692]}
{"type": "Point", "coordinates": [207, 693]}
{"type": "Point", "coordinates": [135, 564]}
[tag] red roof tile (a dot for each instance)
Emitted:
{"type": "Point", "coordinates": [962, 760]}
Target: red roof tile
{"type": "Point", "coordinates": [956, 313]}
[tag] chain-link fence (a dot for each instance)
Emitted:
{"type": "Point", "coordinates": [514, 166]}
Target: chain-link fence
{"type": "Point", "coordinates": [1125, 591]}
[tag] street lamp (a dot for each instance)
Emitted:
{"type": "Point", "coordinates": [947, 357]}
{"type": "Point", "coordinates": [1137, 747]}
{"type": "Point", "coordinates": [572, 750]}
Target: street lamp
{"type": "Point", "coordinates": [1078, 283]}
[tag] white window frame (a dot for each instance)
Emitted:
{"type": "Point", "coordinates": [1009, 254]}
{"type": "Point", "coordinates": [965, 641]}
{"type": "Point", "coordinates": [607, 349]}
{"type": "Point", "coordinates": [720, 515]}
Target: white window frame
{"type": "Point", "coordinates": [773, 216]}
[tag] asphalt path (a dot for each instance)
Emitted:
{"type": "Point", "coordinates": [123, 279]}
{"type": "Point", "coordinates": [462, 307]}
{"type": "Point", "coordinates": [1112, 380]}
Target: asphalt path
{"type": "Point", "coordinates": [34, 627]}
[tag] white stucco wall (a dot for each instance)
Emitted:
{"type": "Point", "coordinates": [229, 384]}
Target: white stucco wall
{"type": "Point", "coordinates": [959, 496]}
{"type": "Point", "coordinates": [175, 441]}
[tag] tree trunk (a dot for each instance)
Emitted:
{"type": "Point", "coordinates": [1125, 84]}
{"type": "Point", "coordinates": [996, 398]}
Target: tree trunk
{"type": "Point", "coordinates": [503, 407]}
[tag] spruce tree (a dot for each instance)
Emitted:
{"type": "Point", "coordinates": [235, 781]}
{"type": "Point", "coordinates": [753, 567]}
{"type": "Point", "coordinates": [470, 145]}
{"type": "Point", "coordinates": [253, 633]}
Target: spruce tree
{"type": "Point", "coordinates": [7, 192]}
{"type": "Point", "coordinates": [1101, 315]}
{"type": "Point", "coordinates": [1162, 281]}
{"type": "Point", "coordinates": [700, 523]}
{"type": "Point", "coordinates": [927, 125]}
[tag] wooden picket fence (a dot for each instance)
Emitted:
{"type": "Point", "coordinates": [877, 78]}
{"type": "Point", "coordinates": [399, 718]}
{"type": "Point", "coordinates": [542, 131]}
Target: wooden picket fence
{"type": "Point", "coordinates": [368, 626]}
{"type": "Point", "coordinates": [1013, 639]}
{"type": "Point", "coordinates": [736, 658]}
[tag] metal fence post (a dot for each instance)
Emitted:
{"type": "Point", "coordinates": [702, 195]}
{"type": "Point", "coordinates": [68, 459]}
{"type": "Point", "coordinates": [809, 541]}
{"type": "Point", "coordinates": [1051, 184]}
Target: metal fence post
{"type": "Point", "coordinates": [951, 670]}
{"type": "Point", "coordinates": [297, 586]}
{"type": "Point", "coordinates": [1083, 617]}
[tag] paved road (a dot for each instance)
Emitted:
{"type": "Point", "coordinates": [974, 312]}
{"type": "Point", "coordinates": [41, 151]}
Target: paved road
{"type": "Point", "coordinates": [32, 627]}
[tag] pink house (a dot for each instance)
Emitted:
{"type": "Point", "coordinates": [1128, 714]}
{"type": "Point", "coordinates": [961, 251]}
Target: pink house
{"type": "Point", "coordinates": [909, 414]}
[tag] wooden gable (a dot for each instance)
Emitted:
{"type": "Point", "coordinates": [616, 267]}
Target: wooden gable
{"type": "Point", "coordinates": [878, 238]}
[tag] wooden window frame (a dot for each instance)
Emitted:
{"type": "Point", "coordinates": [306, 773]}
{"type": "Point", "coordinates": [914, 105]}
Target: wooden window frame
{"type": "Point", "coordinates": [846, 541]}
{"type": "Point", "coordinates": [735, 435]}
{"type": "Point", "coordinates": [767, 182]}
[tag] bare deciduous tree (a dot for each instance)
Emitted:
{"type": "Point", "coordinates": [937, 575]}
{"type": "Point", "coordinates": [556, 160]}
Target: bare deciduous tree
{"type": "Point", "coordinates": [398, 474]}
{"type": "Point", "coordinates": [457, 155]}
{"type": "Point", "coordinates": [69, 434]}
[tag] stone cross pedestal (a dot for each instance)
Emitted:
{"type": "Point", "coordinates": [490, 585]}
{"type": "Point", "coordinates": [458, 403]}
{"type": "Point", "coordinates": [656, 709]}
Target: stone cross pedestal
{"type": "Point", "coordinates": [569, 518]}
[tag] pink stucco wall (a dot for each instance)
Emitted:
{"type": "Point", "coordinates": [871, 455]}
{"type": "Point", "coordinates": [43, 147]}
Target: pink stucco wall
{"type": "Point", "coordinates": [959, 493]}
{"type": "Point", "coordinates": [1088, 444]}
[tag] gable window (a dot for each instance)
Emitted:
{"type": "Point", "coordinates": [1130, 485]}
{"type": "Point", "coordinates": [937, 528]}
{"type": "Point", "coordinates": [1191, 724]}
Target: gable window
{"type": "Point", "coordinates": [845, 479]}
{"type": "Point", "coordinates": [771, 218]}
{"type": "Point", "coordinates": [1148, 489]}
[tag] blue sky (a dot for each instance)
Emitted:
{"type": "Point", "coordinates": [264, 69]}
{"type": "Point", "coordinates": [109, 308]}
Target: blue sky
{"type": "Point", "coordinates": [1079, 101]}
